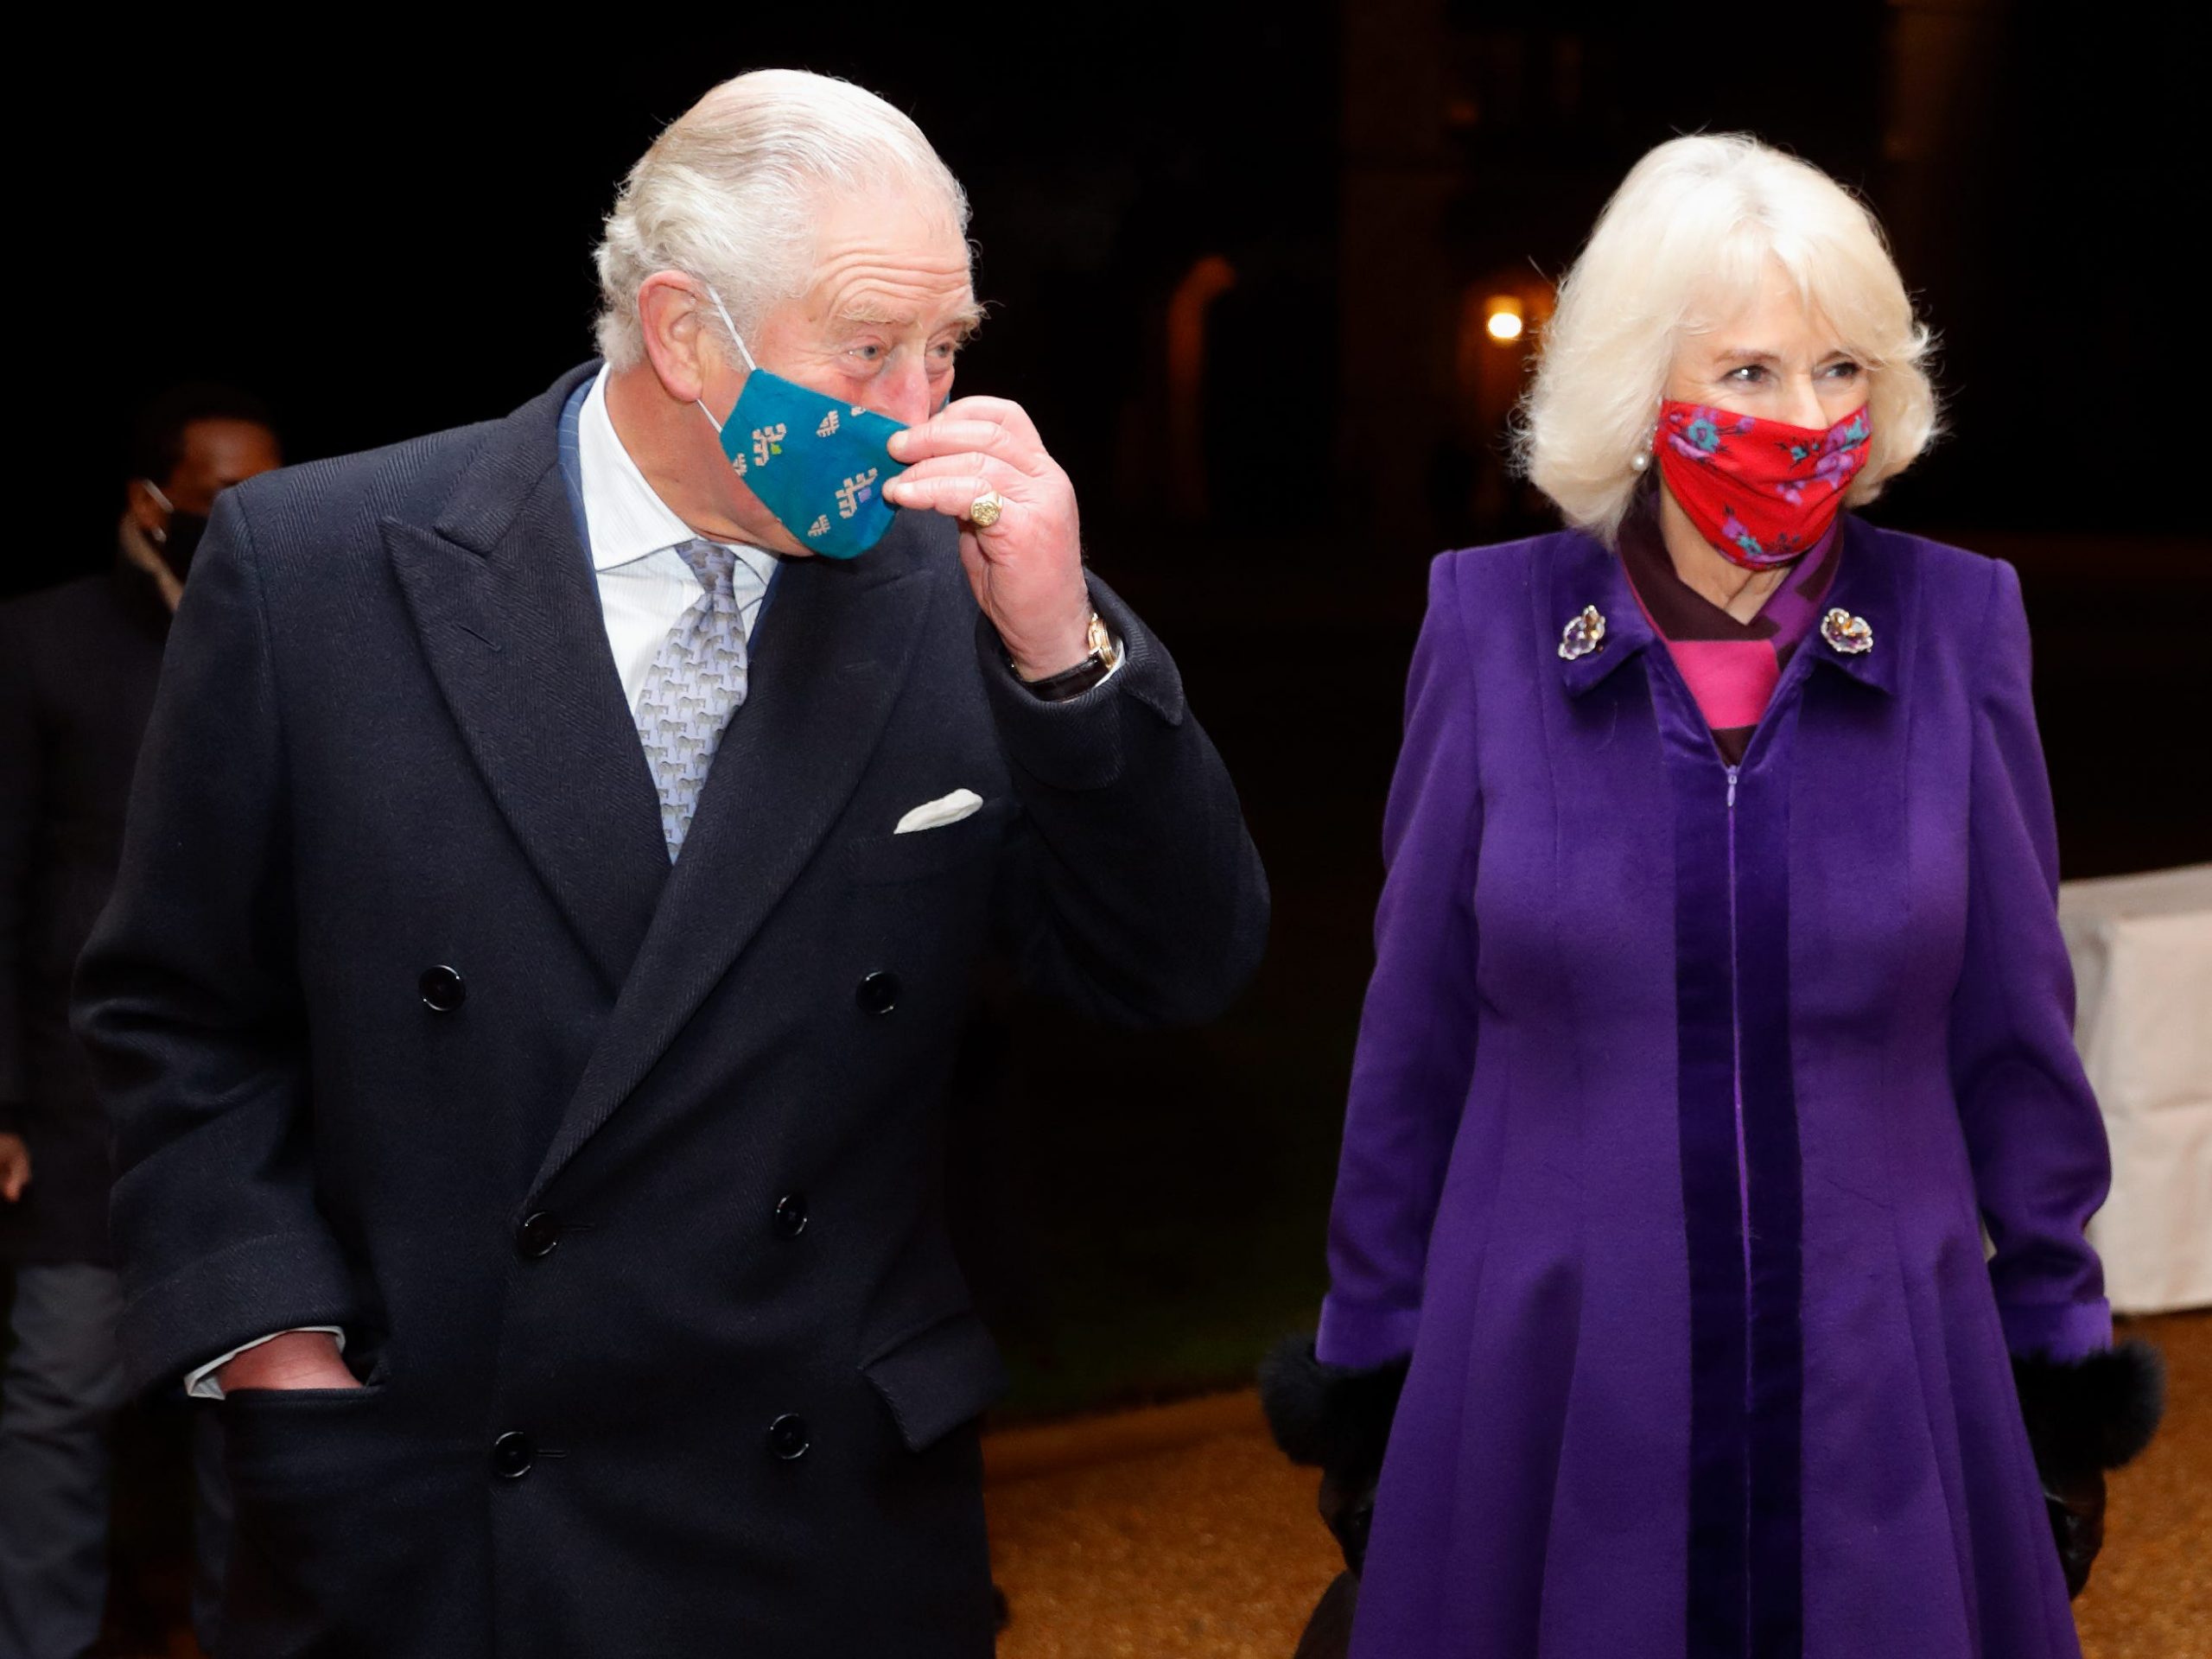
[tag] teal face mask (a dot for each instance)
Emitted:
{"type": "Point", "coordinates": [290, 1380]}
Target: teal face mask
{"type": "Point", "coordinates": [817, 463]}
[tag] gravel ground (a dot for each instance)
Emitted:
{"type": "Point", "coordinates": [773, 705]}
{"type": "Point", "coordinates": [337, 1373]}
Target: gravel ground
{"type": "Point", "coordinates": [1211, 1550]}
{"type": "Point", "coordinates": [2150, 1595]}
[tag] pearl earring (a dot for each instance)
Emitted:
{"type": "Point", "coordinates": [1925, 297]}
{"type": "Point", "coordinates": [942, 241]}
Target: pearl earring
{"type": "Point", "coordinates": [1639, 461]}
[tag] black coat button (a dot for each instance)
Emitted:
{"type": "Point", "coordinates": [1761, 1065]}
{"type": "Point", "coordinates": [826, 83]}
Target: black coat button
{"type": "Point", "coordinates": [537, 1235]}
{"type": "Point", "coordinates": [791, 1215]}
{"type": "Point", "coordinates": [878, 993]}
{"type": "Point", "coordinates": [511, 1456]}
{"type": "Point", "coordinates": [787, 1437]}
{"type": "Point", "coordinates": [442, 989]}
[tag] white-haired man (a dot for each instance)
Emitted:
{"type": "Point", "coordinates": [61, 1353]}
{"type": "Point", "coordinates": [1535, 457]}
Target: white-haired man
{"type": "Point", "coordinates": [549, 903]}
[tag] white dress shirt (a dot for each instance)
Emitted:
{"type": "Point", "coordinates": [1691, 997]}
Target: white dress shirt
{"type": "Point", "coordinates": [644, 586]}
{"type": "Point", "coordinates": [644, 583]}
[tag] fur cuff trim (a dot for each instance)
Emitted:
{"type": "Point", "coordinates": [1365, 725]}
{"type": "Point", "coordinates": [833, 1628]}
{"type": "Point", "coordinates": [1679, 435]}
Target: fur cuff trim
{"type": "Point", "coordinates": [1332, 1417]}
{"type": "Point", "coordinates": [2092, 1413]}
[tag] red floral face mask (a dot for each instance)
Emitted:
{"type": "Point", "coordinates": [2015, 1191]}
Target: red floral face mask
{"type": "Point", "coordinates": [1761, 491]}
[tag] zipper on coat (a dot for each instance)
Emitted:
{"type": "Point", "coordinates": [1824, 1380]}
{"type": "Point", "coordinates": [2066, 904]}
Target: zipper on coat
{"type": "Point", "coordinates": [1742, 1161]}
{"type": "Point", "coordinates": [1736, 1060]}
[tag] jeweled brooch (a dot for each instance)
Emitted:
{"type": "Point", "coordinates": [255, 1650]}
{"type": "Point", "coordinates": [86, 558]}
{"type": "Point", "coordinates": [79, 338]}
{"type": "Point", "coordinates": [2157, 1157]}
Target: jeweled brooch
{"type": "Point", "coordinates": [1584, 634]}
{"type": "Point", "coordinates": [1846, 632]}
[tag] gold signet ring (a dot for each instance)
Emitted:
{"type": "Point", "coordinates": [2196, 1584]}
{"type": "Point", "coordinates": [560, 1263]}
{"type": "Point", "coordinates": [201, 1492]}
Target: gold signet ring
{"type": "Point", "coordinates": [983, 512]}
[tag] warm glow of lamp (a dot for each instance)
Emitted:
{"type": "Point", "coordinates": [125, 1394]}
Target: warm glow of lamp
{"type": "Point", "coordinates": [1502, 319]}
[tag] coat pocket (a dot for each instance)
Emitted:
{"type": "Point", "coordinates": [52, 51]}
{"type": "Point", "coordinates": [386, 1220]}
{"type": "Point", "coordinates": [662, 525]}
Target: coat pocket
{"type": "Point", "coordinates": [283, 1444]}
{"type": "Point", "coordinates": [342, 1542]}
{"type": "Point", "coordinates": [938, 1378]}
{"type": "Point", "coordinates": [872, 860]}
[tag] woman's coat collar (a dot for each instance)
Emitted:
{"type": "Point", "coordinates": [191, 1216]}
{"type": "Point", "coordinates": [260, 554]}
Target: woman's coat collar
{"type": "Point", "coordinates": [1585, 572]}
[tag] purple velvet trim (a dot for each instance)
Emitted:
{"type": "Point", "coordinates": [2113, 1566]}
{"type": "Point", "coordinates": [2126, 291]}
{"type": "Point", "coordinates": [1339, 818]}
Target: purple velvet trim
{"type": "Point", "coordinates": [1742, 1198]}
{"type": "Point", "coordinates": [1362, 1336]}
{"type": "Point", "coordinates": [1706, 1130]}
{"type": "Point", "coordinates": [1778, 1367]}
{"type": "Point", "coordinates": [2061, 1331]}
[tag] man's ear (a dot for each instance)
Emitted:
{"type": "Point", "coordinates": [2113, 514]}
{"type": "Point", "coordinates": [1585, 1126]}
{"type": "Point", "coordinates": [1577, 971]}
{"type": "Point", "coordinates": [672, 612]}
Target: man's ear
{"type": "Point", "coordinates": [682, 351]}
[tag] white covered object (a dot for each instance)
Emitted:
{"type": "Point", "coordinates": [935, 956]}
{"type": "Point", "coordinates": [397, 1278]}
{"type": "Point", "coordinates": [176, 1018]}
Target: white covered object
{"type": "Point", "coordinates": [2142, 952]}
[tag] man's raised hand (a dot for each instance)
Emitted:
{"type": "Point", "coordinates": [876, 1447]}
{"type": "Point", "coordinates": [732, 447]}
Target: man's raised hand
{"type": "Point", "coordinates": [1027, 568]}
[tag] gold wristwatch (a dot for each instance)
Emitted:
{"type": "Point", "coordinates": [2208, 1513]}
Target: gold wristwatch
{"type": "Point", "coordinates": [1105, 657]}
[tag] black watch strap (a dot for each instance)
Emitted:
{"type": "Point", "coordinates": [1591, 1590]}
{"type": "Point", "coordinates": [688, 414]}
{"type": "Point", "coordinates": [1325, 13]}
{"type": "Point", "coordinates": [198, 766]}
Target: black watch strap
{"type": "Point", "coordinates": [1072, 682]}
{"type": "Point", "coordinates": [1105, 657]}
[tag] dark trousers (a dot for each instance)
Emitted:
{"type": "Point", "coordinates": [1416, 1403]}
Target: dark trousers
{"type": "Point", "coordinates": [59, 1395]}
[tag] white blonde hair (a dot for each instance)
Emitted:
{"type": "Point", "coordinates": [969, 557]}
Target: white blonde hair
{"type": "Point", "coordinates": [1680, 249]}
{"type": "Point", "coordinates": [729, 194]}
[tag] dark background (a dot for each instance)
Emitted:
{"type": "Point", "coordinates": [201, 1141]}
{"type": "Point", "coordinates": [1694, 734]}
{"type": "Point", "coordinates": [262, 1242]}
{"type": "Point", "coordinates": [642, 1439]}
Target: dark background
{"type": "Point", "coordinates": [387, 229]}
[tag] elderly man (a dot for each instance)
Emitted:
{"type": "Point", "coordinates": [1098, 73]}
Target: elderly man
{"type": "Point", "coordinates": [552, 896]}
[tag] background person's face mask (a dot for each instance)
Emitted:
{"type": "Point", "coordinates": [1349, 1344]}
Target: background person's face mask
{"type": "Point", "coordinates": [817, 463]}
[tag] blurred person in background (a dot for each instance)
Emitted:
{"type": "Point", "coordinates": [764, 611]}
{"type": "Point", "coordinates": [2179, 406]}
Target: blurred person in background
{"type": "Point", "coordinates": [78, 667]}
{"type": "Point", "coordinates": [562, 857]}
{"type": "Point", "coordinates": [1719, 1001]}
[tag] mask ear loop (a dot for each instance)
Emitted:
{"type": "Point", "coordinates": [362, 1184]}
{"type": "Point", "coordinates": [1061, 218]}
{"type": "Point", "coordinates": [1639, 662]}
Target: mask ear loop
{"type": "Point", "coordinates": [749, 364]}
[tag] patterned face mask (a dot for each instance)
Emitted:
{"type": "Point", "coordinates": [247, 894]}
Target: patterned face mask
{"type": "Point", "coordinates": [1761, 491]}
{"type": "Point", "coordinates": [818, 464]}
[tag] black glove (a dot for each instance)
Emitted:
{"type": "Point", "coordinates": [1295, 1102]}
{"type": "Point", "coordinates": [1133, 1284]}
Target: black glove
{"type": "Point", "coordinates": [1337, 1419]}
{"type": "Point", "coordinates": [2084, 1417]}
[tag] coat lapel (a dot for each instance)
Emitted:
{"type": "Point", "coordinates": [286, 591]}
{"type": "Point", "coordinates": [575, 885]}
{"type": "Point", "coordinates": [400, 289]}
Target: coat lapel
{"type": "Point", "coordinates": [1870, 586]}
{"type": "Point", "coordinates": [833, 653]}
{"type": "Point", "coordinates": [502, 597]}
{"type": "Point", "coordinates": [1584, 572]}
{"type": "Point", "coordinates": [1867, 584]}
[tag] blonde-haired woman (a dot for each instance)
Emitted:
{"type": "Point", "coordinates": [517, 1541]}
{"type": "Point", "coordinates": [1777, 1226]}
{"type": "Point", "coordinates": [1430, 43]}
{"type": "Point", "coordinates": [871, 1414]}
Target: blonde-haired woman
{"type": "Point", "coordinates": [1718, 1002]}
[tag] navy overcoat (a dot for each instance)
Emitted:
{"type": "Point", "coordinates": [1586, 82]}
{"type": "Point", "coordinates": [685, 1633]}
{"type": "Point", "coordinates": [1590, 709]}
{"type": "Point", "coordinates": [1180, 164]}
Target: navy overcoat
{"type": "Point", "coordinates": [620, 1178]}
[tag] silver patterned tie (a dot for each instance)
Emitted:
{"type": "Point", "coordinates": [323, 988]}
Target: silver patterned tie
{"type": "Point", "coordinates": [696, 681]}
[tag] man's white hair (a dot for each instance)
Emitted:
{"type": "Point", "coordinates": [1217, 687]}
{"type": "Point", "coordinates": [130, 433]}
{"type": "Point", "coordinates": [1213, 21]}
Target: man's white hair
{"type": "Point", "coordinates": [1681, 248]}
{"type": "Point", "coordinates": [730, 191]}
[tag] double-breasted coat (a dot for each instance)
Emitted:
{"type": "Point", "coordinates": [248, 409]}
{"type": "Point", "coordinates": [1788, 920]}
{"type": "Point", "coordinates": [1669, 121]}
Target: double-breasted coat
{"type": "Point", "coordinates": [1682, 1094]}
{"type": "Point", "coordinates": [620, 1177]}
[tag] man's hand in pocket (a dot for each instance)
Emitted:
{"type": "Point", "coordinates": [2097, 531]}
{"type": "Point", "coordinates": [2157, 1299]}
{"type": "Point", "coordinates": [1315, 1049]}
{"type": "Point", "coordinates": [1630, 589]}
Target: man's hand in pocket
{"type": "Point", "coordinates": [297, 1359]}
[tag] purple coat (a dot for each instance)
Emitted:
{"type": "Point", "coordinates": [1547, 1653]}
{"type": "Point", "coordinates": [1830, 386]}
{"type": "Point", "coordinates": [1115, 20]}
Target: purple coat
{"type": "Point", "coordinates": [1682, 1095]}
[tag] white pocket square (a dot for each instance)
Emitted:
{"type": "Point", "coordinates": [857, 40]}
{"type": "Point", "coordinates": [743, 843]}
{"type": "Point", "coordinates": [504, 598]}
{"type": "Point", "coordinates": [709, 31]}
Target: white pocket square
{"type": "Point", "coordinates": [946, 809]}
